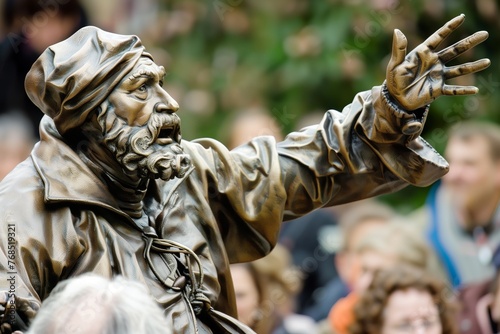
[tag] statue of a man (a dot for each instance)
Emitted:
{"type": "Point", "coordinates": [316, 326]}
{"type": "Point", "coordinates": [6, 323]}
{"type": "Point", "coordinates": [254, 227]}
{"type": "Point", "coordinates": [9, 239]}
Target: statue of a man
{"type": "Point", "coordinates": [111, 188]}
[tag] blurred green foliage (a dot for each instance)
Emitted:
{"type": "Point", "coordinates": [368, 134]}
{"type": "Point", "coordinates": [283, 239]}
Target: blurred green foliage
{"type": "Point", "coordinates": [298, 57]}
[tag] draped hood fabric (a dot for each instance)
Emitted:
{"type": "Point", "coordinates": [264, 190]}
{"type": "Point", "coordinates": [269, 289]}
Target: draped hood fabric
{"type": "Point", "coordinates": [73, 77]}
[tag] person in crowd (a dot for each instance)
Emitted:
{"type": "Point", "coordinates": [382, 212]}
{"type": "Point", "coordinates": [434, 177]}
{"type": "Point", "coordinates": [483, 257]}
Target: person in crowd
{"type": "Point", "coordinates": [313, 241]}
{"type": "Point", "coordinates": [479, 311]}
{"type": "Point", "coordinates": [251, 123]}
{"type": "Point", "coordinates": [393, 244]}
{"type": "Point", "coordinates": [358, 225]}
{"type": "Point", "coordinates": [250, 291]}
{"type": "Point", "coordinates": [112, 187]}
{"type": "Point", "coordinates": [91, 304]}
{"type": "Point", "coordinates": [31, 25]}
{"type": "Point", "coordinates": [356, 222]}
{"type": "Point", "coordinates": [266, 290]}
{"type": "Point", "coordinates": [463, 211]}
{"type": "Point", "coordinates": [16, 141]}
{"type": "Point", "coordinates": [404, 299]}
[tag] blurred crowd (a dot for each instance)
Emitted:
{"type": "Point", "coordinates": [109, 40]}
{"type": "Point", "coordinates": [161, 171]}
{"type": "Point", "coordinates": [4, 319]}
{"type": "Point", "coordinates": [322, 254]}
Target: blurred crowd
{"type": "Point", "coordinates": [420, 261]}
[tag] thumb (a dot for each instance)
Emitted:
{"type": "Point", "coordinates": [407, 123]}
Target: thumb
{"type": "Point", "coordinates": [399, 44]}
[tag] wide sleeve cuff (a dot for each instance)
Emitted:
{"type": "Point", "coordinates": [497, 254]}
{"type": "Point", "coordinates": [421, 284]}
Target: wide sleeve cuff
{"type": "Point", "coordinates": [394, 136]}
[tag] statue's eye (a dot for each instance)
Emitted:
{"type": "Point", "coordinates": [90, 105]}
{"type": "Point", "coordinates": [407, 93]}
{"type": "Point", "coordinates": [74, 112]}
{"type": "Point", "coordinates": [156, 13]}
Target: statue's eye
{"type": "Point", "coordinates": [141, 92]}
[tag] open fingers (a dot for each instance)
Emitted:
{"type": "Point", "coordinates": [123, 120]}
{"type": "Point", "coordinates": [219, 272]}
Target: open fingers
{"type": "Point", "coordinates": [456, 71]}
{"type": "Point", "coordinates": [436, 38]}
{"type": "Point", "coordinates": [459, 90]}
{"type": "Point", "coordinates": [460, 47]}
{"type": "Point", "coordinates": [399, 44]}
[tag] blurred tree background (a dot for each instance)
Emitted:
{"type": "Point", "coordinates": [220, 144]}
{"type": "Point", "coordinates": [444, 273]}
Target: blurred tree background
{"type": "Point", "coordinates": [297, 58]}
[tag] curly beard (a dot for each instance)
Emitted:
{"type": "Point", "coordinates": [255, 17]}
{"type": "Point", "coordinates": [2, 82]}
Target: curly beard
{"type": "Point", "coordinates": [137, 148]}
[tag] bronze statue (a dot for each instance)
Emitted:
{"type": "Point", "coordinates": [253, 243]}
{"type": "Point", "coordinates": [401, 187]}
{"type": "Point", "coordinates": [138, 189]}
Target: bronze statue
{"type": "Point", "coordinates": [111, 188]}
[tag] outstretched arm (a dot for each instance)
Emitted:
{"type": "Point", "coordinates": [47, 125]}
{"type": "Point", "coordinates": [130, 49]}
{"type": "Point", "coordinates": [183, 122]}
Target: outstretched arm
{"type": "Point", "coordinates": [417, 79]}
{"type": "Point", "coordinates": [373, 146]}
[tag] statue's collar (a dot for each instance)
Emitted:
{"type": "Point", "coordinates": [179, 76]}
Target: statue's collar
{"type": "Point", "coordinates": [65, 176]}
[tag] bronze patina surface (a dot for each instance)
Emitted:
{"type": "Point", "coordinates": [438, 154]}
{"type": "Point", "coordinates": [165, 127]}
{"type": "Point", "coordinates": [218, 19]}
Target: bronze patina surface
{"type": "Point", "coordinates": [112, 189]}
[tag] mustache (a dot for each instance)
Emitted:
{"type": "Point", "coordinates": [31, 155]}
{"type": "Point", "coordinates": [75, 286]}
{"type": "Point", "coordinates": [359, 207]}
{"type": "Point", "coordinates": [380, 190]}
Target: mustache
{"type": "Point", "coordinates": [166, 124]}
{"type": "Point", "coordinates": [140, 139]}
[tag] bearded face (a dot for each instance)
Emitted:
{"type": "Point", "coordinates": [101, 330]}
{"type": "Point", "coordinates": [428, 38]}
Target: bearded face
{"type": "Point", "coordinates": [150, 150]}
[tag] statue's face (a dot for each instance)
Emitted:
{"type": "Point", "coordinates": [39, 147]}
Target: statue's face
{"type": "Point", "coordinates": [140, 127]}
{"type": "Point", "coordinates": [140, 94]}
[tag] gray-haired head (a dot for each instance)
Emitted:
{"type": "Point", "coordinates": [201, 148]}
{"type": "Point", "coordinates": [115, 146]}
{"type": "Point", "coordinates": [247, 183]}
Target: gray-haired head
{"type": "Point", "coordinates": [93, 304]}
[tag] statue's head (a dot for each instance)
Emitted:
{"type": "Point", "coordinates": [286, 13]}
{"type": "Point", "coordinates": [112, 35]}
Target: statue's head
{"type": "Point", "coordinates": [106, 86]}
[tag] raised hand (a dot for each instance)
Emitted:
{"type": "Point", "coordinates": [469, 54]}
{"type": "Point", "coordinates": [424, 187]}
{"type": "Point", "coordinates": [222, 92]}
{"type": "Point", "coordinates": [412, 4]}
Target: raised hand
{"type": "Point", "coordinates": [417, 79]}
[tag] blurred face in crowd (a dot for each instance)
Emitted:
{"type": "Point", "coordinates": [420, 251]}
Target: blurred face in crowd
{"type": "Point", "coordinates": [247, 294]}
{"type": "Point", "coordinates": [371, 261]}
{"type": "Point", "coordinates": [348, 262]}
{"type": "Point", "coordinates": [474, 177]}
{"type": "Point", "coordinates": [13, 150]}
{"type": "Point", "coordinates": [411, 311]}
{"type": "Point", "coordinates": [53, 29]}
{"type": "Point", "coordinates": [140, 125]}
{"type": "Point", "coordinates": [253, 125]}
{"type": "Point", "coordinates": [10, 158]}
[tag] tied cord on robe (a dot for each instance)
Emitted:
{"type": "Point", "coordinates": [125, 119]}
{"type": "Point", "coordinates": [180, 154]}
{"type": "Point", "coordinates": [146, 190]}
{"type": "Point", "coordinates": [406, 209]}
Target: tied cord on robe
{"type": "Point", "coordinates": [170, 253]}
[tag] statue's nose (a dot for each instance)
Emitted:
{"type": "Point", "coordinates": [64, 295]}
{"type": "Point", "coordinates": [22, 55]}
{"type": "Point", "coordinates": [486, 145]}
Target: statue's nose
{"type": "Point", "coordinates": [168, 105]}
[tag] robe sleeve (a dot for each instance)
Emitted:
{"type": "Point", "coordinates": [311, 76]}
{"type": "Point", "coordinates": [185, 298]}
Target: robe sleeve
{"type": "Point", "coordinates": [366, 150]}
